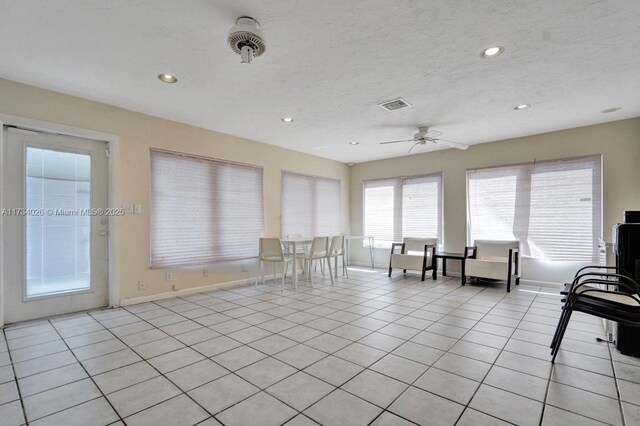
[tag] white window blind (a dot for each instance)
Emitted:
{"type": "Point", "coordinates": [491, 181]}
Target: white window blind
{"type": "Point", "coordinates": [553, 208]}
{"type": "Point", "coordinates": [203, 210]}
{"type": "Point", "coordinates": [403, 207]}
{"type": "Point", "coordinates": [310, 205]}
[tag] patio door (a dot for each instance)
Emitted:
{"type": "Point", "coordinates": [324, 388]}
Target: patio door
{"type": "Point", "coordinates": [55, 224]}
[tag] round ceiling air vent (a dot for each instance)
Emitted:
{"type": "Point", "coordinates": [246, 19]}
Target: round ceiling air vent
{"type": "Point", "coordinates": [246, 39]}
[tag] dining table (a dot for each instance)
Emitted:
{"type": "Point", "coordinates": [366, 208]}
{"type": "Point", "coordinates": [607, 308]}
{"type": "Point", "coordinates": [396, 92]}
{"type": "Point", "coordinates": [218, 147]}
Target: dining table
{"type": "Point", "coordinates": [349, 238]}
{"type": "Point", "coordinates": [295, 242]}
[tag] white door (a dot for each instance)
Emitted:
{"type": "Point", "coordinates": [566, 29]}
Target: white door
{"type": "Point", "coordinates": [55, 227]}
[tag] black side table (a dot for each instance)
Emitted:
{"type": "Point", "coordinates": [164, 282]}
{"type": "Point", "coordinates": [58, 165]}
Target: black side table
{"type": "Point", "coordinates": [444, 256]}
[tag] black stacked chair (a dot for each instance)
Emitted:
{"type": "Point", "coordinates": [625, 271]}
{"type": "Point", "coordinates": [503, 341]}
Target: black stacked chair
{"type": "Point", "coordinates": [585, 294]}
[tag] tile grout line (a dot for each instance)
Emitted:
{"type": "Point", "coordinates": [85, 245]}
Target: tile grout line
{"type": "Point", "coordinates": [529, 305]}
{"type": "Point", "coordinates": [164, 376]}
{"type": "Point", "coordinates": [442, 296]}
{"type": "Point", "coordinates": [15, 378]}
{"type": "Point", "coordinates": [131, 348]}
{"type": "Point", "coordinates": [466, 406]}
{"type": "Point", "coordinates": [301, 370]}
{"type": "Point", "coordinates": [313, 293]}
{"type": "Point", "coordinates": [615, 378]}
{"type": "Point", "coordinates": [432, 365]}
{"type": "Point", "coordinates": [89, 376]}
{"type": "Point", "coordinates": [546, 392]}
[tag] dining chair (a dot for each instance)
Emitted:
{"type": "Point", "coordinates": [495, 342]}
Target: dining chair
{"type": "Point", "coordinates": [336, 250]}
{"type": "Point", "coordinates": [271, 251]}
{"type": "Point", "coordinates": [318, 252]}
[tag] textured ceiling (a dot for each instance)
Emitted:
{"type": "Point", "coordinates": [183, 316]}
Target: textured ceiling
{"type": "Point", "coordinates": [328, 63]}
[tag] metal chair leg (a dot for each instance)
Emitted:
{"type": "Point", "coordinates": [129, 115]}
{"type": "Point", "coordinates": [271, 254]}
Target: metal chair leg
{"type": "Point", "coordinates": [560, 337]}
{"type": "Point", "coordinates": [257, 274]}
{"type": "Point", "coordinates": [330, 272]}
{"type": "Point", "coordinates": [344, 267]}
{"type": "Point", "coordinates": [563, 314]}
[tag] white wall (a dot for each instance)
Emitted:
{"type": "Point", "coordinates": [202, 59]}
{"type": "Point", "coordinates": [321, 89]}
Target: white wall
{"type": "Point", "coordinates": [618, 142]}
{"type": "Point", "coordinates": [129, 171]}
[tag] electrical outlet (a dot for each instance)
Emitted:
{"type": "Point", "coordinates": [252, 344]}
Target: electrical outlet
{"type": "Point", "coordinates": [168, 276]}
{"type": "Point", "coordinates": [205, 273]}
{"type": "Point", "coordinates": [243, 267]}
{"type": "Point", "coordinates": [141, 285]}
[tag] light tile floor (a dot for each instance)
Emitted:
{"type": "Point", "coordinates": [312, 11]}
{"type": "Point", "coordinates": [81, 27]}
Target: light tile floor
{"type": "Point", "coordinates": [367, 350]}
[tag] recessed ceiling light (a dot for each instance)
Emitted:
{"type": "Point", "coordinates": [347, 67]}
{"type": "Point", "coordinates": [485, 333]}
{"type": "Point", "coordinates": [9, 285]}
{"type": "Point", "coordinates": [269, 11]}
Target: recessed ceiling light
{"type": "Point", "coordinates": [354, 143]}
{"type": "Point", "coordinates": [522, 106]}
{"type": "Point", "coordinates": [167, 78]}
{"type": "Point", "coordinates": [350, 164]}
{"type": "Point", "coordinates": [287, 119]}
{"type": "Point", "coordinates": [492, 52]}
{"type": "Point", "coordinates": [608, 110]}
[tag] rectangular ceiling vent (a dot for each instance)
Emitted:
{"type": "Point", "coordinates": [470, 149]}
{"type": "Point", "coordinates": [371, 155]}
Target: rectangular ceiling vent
{"type": "Point", "coordinates": [394, 104]}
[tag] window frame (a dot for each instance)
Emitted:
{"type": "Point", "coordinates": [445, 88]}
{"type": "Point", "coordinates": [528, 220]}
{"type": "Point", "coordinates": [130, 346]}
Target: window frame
{"type": "Point", "coordinates": [397, 208]}
{"type": "Point", "coordinates": [215, 160]}
{"type": "Point", "coordinates": [314, 221]}
{"type": "Point", "coordinates": [528, 170]}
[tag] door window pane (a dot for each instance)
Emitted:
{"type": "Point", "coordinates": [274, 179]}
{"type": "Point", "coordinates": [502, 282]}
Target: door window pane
{"type": "Point", "coordinates": [58, 188]}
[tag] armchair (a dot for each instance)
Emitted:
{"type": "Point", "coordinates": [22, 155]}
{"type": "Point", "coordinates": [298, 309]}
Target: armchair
{"type": "Point", "coordinates": [416, 254]}
{"type": "Point", "coordinates": [497, 260]}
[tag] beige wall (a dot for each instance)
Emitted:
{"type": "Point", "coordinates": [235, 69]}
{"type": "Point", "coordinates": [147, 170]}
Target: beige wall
{"type": "Point", "coordinates": [619, 142]}
{"type": "Point", "coordinates": [129, 179]}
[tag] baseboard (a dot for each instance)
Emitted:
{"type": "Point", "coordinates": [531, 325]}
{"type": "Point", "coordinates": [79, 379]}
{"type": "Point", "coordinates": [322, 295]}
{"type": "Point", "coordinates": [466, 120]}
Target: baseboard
{"type": "Point", "coordinates": [368, 265]}
{"type": "Point", "coordinates": [533, 283]}
{"type": "Point", "coordinates": [188, 291]}
{"type": "Point", "coordinates": [541, 283]}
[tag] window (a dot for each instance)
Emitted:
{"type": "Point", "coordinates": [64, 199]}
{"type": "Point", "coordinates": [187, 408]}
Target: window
{"type": "Point", "coordinates": [58, 246]}
{"type": "Point", "coordinates": [403, 207]}
{"type": "Point", "coordinates": [553, 208]}
{"type": "Point", "coordinates": [203, 210]}
{"type": "Point", "coordinates": [310, 205]}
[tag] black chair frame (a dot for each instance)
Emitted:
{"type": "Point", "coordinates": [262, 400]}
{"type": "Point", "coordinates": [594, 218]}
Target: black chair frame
{"type": "Point", "coordinates": [425, 268]}
{"type": "Point", "coordinates": [585, 299]}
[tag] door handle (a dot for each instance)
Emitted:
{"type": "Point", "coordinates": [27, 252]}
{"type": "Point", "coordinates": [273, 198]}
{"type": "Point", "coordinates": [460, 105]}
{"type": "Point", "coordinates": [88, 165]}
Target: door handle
{"type": "Point", "coordinates": [103, 233]}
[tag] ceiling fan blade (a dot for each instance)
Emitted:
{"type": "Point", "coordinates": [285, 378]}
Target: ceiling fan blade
{"type": "Point", "coordinates": [433, 134]}
{"type": "Point", "coordinates": [451, 144]}
{"type": "Point", "coordinates": [404, 140]}
{"type": "Point", "coordinates": [414, 145]}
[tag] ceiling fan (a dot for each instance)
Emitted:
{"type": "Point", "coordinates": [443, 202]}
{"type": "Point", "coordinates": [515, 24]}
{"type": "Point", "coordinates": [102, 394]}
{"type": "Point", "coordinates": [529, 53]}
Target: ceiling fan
{"type": "Point", "coordinates": [425, 135]}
